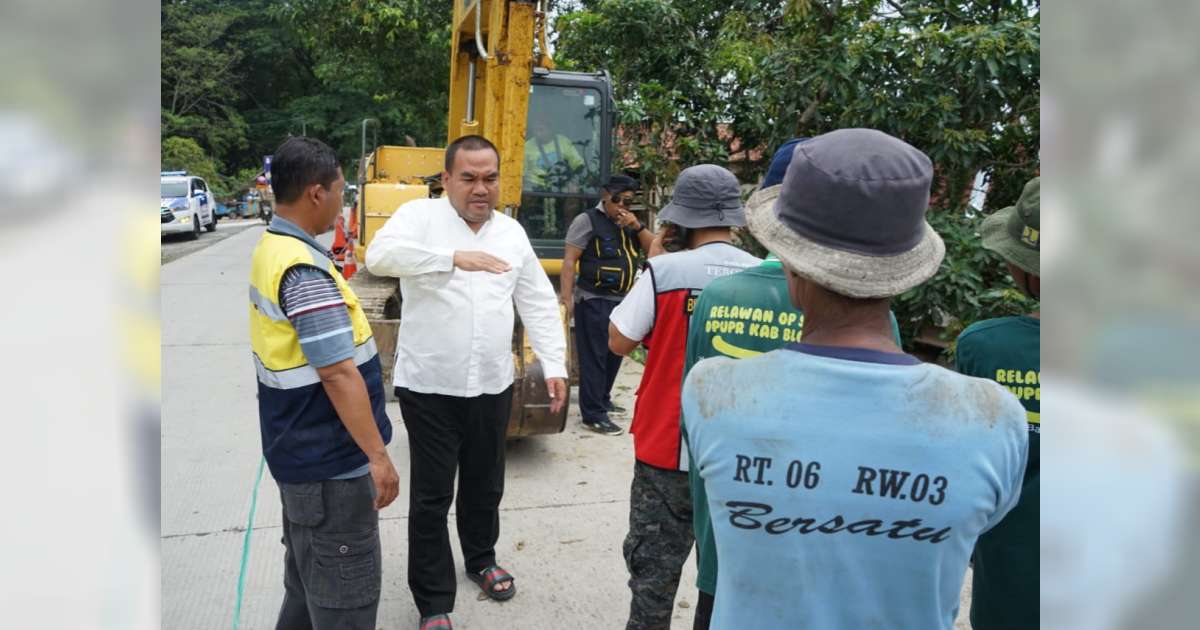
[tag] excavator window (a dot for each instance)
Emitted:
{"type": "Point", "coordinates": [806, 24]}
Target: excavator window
{"type": "Point", "coordinates": [562, 140]}
{"type": "Point", "coordinates": [564, 135]}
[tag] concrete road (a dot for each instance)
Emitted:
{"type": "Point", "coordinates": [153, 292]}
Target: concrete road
{"type": "Point", "coordinates": [563, 518]}
{"type": "Point", "coordinates": [564, 515]}
{"type": "Point", "coordinates": [176, 246]}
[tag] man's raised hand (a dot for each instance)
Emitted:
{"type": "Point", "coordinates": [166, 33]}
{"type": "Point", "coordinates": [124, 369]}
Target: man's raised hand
{"type": "Point", "coordinates": [480, 261]}
{"type": "Point", "coordinates": [626, 219]}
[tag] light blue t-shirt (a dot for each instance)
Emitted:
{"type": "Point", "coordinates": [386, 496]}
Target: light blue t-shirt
{"type": "Point", "coordinates": [847, 487]}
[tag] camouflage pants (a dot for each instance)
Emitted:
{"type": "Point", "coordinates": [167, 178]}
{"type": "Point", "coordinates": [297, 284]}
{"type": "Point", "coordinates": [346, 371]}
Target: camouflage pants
{"type": "Point", "coordinates": [659, 541]}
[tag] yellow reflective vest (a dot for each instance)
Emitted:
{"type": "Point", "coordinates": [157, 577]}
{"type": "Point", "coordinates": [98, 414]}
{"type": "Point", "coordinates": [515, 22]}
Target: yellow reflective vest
{"type": "Point", "coordinates": [302, 436]}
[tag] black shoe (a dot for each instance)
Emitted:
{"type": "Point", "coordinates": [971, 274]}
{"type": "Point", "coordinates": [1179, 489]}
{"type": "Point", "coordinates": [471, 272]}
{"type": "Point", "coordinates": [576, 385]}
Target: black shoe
{"type": "Point", "coordinates": [615, 408]}
{"type": "Point", "coordinates": [604, 426]}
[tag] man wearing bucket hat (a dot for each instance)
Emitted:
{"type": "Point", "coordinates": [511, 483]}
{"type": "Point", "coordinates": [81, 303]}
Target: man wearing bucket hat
{"type": "Point", "coordinates": [739, 316]}
{"type": "Point", "coordinates": [707, 205]}
{"type": "Point", "coordinates": [1005, 585]}
{"type": "Point", "coordinates": [848, 481]}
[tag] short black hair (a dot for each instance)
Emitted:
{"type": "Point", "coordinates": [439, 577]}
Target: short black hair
{"type": "Point", "coordinates": [299, 163]}
{"type": "Point", "coordinates": [469, 143]}
{"type": "Point", "coordinates": [618, 184]}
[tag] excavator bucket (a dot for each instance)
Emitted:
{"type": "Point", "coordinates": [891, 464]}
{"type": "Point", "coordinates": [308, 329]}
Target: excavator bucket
{"type": "Point", "coordinates": [531, 414]}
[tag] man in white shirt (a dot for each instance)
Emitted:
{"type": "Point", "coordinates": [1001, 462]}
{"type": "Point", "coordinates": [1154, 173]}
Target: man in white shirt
{"type": "Point", "coordinates": [462, 266]}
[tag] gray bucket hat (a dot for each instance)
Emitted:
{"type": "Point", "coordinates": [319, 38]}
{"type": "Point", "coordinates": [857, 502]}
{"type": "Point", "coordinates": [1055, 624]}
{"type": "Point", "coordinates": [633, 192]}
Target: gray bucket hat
{"type": "Point", "coordinates": [706, 195]}
{"type": "Point", "coordinates": [850, 214]}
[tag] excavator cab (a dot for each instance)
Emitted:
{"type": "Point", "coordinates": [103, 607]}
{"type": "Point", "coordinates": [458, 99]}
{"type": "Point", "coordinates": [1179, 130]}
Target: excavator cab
{"type": "Point", "coordinates": [567, 154]}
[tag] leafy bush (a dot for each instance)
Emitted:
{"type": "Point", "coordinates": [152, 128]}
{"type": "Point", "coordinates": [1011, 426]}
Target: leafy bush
{"type": "Point", "coordinates": [972, 284]}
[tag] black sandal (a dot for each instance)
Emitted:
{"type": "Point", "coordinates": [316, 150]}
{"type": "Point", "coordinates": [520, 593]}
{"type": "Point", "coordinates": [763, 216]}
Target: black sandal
{"type": "Point", "coordinates": [436, 622]}
{"type": "Point", "coordinates": [491, 577]}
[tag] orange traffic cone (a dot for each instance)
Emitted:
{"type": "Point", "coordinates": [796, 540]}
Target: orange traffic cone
{"type": "Point", "coordinates": [339, 242]}
{"type": "Point", "coordinates": [351, 263]}
{"type": "Point", "coordinates": [353, 231]}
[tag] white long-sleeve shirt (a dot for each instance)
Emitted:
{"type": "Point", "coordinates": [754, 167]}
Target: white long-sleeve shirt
{"type": "Point", "coordinates": [456, 326]}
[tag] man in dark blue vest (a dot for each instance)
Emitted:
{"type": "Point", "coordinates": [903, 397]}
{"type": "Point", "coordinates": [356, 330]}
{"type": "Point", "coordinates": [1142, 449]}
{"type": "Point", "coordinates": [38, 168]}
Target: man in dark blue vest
{"type": "Point", "coordinates": [606, 242]}
{"type": "Point", "coordinates": [320, 401]}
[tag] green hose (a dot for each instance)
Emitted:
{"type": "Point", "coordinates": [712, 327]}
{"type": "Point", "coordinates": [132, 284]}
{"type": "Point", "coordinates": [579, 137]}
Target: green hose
{"type": "Point", "coordinates": [241, 583]}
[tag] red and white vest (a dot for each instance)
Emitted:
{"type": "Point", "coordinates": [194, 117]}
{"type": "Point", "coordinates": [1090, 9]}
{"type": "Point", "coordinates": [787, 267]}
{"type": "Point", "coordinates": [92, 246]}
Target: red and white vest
{"type": "Point", "coordinates": [678, 279]}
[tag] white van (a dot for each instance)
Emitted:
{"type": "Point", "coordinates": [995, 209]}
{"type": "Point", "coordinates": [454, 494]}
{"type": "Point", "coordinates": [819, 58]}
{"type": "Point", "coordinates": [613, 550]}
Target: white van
{"type": "Point", "coordinates": [187, 204]}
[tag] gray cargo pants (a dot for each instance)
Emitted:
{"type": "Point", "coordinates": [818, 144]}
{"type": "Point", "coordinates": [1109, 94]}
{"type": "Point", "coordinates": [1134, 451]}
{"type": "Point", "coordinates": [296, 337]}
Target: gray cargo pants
{"type": "Point", "coordinates": [332, 558]}
{"type": "Point", "coordinates": [659, 541]}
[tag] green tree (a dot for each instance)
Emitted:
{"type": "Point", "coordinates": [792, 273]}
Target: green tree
{"type": "Point", "coordinates": [959, 80]}
{"type": "Point", "coordinates": [388, 60]}
{"type": "Point", "coordinates": [678, 95]}
{"type": "Point", "coordinates": [240, 76]}
{"type": "Point", "coordinates": [184, 154]}
{"type": "Point", "coordinates": [199, 85]}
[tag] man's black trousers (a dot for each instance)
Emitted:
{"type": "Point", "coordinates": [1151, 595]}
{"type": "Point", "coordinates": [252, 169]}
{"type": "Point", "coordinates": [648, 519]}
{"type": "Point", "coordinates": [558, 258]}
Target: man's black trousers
{"type": "Point", "coordinates": [449, 434]}
{"type": "Point", "coordinates": [598, 365]}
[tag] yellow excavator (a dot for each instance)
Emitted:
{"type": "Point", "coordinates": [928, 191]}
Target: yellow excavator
{"type": "Point", "coordinates": [503, 84]}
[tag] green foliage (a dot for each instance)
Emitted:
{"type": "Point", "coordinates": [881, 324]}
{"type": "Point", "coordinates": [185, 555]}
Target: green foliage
{"type": "Point", "coordinates": [972, 283]}
{"type": "Point", "coordinates": [199, 93]}
{"type": "Point", "coordinates": [240, 76]}
{"type": "Point", "coordinates": [387, 60]}
{"type": "Point", "coordinates": [184, 154]}
{"type": "Point", "coordinates": [959, 80]}
{"type": "Point", "coordinates": [675, 95]}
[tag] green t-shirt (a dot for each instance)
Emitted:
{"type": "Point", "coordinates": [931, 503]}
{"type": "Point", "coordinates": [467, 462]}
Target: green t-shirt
{"type": "Point", "coordinates": [1005, 586]}
{"type": "Point", "coordinates": [738, 316]}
